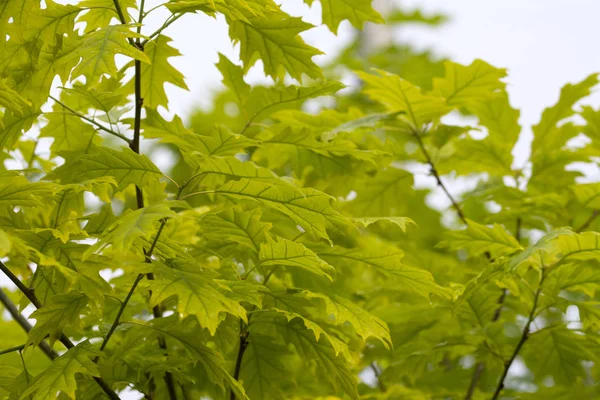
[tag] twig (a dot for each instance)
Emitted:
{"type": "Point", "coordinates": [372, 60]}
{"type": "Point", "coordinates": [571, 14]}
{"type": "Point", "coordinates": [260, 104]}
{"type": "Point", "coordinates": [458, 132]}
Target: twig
{"type": "Point", "coordinates": [244, 341]}
{"type": "Point", "coordinates": [437, 177]}
{"type": "Point", "coordinates": [130, 293]}
{"type": "Point", "coordinates": [91, 121]}
{"type": "Point", "coordinates": [240, 355]}
{"type": "Point", "coordinates": [164, 26]}
{"type": "Point", "coordinates": [12, 349]}
{"type": "Point", "coordinates": [522, 340]}
{"type": "Point", "coordinates": [377, 373]}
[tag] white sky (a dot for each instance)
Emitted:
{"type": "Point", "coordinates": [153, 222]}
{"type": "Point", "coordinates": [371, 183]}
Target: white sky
{"type": "Point", "coordinates": [543, 43]}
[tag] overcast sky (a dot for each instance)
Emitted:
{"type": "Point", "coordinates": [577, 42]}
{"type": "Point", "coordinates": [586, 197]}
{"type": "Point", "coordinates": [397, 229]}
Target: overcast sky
{"type": "Point", "coordinates": [543, 43]}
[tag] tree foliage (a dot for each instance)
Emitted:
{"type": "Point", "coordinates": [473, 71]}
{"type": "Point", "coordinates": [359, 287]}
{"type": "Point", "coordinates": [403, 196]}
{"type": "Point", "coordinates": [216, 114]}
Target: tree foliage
{"type": "Point", "coordinates": [287, 253]}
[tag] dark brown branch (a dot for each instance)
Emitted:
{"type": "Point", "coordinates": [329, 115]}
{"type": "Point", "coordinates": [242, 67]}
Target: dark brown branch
{"type": "Point", "coordinates": [240, 356]}
{"type": "Point", "coordinates": [522, 340]}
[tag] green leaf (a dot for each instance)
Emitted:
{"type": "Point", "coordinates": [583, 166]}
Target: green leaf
{"type": "Point", "coordinates": [197, 295]}
{"type": "Point", "coordinates": [61, 375]}
{"type": "Point", "coordinates": [307, 207]}
{"type": "Point", "coordinates": [59, 312]}
{"type": "Point", "coordinates": [68, 131]}
{"type": "Point", "coordinates": [558, 247]}
{"type": "Point", "coordinates": [562, 351]}
{"type": "Point", "coordinates": [233, 168]}
{"type": "Point", "coordinates": [463, 86]}
{"type": "Point", "coordinates": [159, 71]}
{"type": "Point", "coordinates": [49, 23]}
{"type": "Point", "coordinates": [545, 132]}
{"type": "Point", "coordinates": [125, 166]}
{"type": "Point", "coordinates": [13, 125]}
{"type": "Point", "coordinates": [478, 239]}
{"type": "Point", "coordinates": [264, 368]}
{"type": "Point", "coordinates": [387, 261]}
{"type": "Point", "coordinates": [306, 139]}
{"type": "Point", "coordinates": [264, 101]}
{"type": "Point", "coordinates": [10, 99]}
{"type": "Point", "coordinates": [19, 192]}
{"type": "Point", "coordinates": [364, 323]}
{"type": "Point", "coordinates": [221, 143]}
{"type": "Point", "coordinates": [276, 41]}
{"type": "Point", "coordinates": [357, 12]}
{"type": "Point", "coordinates": [401, 96]}
{"type": "Point", "coordinates": [211, 360]}
{"type": "Point", "coordinates": [101, 12]}
{"type": "Point", "coordinates": [233, 78]}
{"type": "Point", "coordinates": [96, 52]}
{"type": "Point", "coordinates": [368, 121]}
{"type": "Point", "coordinates": [378, 196]}
{"type": "Point", "coordinates": [130, 226]}
{"type": "Point", "coordinates": [401, 222]}
{"type": "Point", "coordinates": [588, 194]}
{"type": "Point", "coordinates": [235, 228]}
{"type": "Point", "coordinates": [283, 252]}
{"type": "Point", "coordinates": [334, 366]}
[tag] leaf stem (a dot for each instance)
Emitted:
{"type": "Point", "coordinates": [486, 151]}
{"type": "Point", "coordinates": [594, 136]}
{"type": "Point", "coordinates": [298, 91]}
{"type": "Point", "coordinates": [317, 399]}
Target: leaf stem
{"type": "Point", "coordinates": [91, 121]}
{"type": "Point", "coordinates": [522, 340]}
{"type": "Point", "coordinates": [12, 349]}
{"type": "Point", "coordinates": [437, 177]}
{"type": "Point", "coordinates": [164, 26]}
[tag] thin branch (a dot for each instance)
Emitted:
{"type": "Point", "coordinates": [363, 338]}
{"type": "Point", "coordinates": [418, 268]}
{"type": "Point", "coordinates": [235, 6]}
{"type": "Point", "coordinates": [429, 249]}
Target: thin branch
{"type": "Point", "coordinates": [27, 326]}
{"type": "Point", "coordinates": [437, 177]}
{"type": "Point", "coordinates": [137, 124]}
{"type": "Point", "coordinates": [588, 222]}
{"type": "Point", "coordinates": [241, 351]}
{"type": "Point", "coordinates": [377, 374]}
{"type": "Point", "coordinates": [244, 340]}
{"type": "Point", "coordinates": [479, 368]}
{"type": "Point", "coordinates": [12, 349]}
{"type": "Point", "coordinates": [522, 340]}
{"type": "Point", "coordinates": [120, 312]}
{"type": "Point", "coordinates": [154, 8]}
{"type": "Point", "coordinates": [116, 322]}
{"type": "Point", "coordinates": [21, 286]}
{"type": "Point", "coordinates": [91, 121]}
{"type": "Point", "coordinates": [164, 26]}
